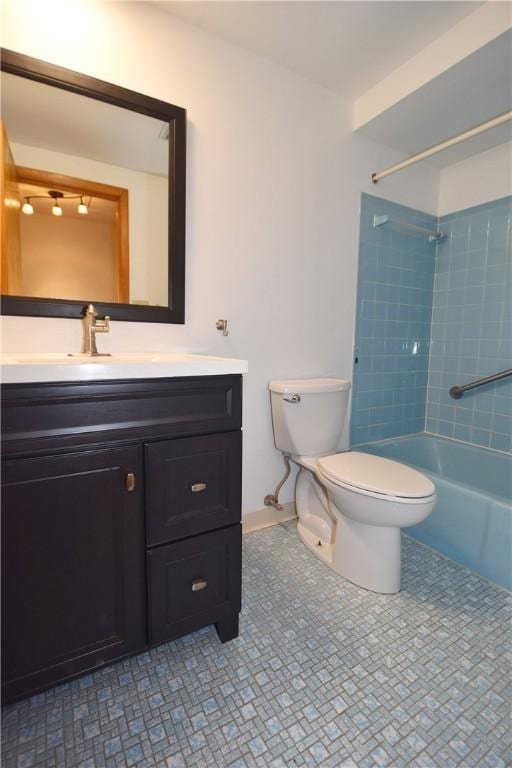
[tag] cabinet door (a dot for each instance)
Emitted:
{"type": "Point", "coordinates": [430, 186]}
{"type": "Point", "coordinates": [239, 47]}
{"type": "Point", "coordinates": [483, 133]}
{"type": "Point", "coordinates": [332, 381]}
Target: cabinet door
{"type": "Point", "coordinates": [196, 582]}
{"type": "Point", "coordinates": [193, 485]}
{"type": "Point", "coordinates": [73, 580]}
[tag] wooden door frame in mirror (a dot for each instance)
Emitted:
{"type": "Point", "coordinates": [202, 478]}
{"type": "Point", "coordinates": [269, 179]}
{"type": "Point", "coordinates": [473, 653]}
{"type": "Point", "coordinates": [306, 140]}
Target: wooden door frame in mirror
{"type": "Point", "coordinates": [89, 189]}
{"type": "Point", "coordinates": [50, 74]}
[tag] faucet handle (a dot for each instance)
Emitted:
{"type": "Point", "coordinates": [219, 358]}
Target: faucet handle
{"type": "Point", "coordinates": [103, 326]}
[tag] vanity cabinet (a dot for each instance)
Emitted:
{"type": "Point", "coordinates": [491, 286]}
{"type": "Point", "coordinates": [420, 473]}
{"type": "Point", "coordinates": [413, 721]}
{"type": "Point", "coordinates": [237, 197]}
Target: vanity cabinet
{"type": "Point", "coordinates": [120, 521]}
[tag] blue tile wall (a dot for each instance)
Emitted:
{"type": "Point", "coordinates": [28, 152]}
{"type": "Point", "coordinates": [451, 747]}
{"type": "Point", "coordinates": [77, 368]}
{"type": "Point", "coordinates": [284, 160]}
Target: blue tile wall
{"type": "Point", "coordinates": [471, 326]}
{"type": "Point", "coordinates": [394, 307]}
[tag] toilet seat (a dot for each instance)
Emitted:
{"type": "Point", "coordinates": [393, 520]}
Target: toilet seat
{"type": "Point", "coordinates": [376, 476]}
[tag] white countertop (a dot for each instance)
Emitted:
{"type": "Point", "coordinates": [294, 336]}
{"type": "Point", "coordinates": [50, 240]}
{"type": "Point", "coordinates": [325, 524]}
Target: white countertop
{"type": "Point", "coordinates": [25, 368]}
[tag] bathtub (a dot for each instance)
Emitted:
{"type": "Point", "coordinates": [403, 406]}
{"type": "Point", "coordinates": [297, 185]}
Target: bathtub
{"type": "Point", "coordinates": [472, 520]}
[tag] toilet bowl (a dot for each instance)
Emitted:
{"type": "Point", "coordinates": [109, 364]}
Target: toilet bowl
{"type": "Point", "coordinates": [350, 505]}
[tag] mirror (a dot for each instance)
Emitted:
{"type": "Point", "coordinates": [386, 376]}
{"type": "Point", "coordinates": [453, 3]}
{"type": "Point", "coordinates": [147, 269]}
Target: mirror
{"type": "Point", "coordinates": [93, 191]}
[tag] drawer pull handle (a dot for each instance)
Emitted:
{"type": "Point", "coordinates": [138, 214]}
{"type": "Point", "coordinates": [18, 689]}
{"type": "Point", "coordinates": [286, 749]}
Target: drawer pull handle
{"type": "Point", "coordinates": [130, 482]}
{"type": "Point", "coordinates": [199, 584]}
{"type": "Point", "coordinates": [198, 487]}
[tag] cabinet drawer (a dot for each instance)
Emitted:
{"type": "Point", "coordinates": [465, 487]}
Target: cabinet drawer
{"type": "Point", "coordinates": [194, 583]}
{"type": "Point", "coordinates": [47, 417]}
{"type": "Point", "coordinates": [192, 485]}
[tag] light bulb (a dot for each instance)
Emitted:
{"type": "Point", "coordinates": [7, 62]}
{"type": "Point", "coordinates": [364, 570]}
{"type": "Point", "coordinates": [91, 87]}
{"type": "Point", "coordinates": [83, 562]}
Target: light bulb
{"type": "Point", "coordinates": [57, 210]}
{"type": "Point", "coordinates": [27, 208]}
{"type": "Point", "coordinates": [83, 209]}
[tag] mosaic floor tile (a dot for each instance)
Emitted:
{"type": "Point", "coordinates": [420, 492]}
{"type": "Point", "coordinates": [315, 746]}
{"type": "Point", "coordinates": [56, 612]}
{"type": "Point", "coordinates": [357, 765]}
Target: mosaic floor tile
{"type": "Point", "coordinates": [323, 674]}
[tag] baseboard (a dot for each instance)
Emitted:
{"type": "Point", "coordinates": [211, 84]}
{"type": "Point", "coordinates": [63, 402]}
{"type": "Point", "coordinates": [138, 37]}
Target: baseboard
{"type": "Point", "coordinates": [264, 518]}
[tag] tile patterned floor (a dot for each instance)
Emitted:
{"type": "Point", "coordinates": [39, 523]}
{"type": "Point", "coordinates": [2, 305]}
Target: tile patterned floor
{"type": "Point", "coordinates": [324, 674]}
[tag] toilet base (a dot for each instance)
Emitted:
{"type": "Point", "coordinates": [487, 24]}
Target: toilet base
{"type": "Point", "coordinates": [368, 555]}
{"type": "Point", "coordinates": [321, 549]}
{"type": "Point", "coordinates": [368, 561]}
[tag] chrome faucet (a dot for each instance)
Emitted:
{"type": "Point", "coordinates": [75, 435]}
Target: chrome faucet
{"type": "Point", "coordinates": [90, 327]}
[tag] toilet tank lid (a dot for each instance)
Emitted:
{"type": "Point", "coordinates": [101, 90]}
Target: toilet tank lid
{"type": "Point", "coordinates": [308, 386]}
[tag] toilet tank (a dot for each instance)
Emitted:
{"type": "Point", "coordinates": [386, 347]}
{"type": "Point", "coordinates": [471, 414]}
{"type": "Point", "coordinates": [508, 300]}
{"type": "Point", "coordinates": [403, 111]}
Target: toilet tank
{"type": "Point", "coordinates": [308, 415]}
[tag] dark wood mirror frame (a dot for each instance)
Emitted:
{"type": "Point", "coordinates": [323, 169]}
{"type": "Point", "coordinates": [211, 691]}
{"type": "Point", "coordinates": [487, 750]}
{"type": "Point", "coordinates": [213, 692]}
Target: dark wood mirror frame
{"type": "Point", "coordinates": [50, 74]}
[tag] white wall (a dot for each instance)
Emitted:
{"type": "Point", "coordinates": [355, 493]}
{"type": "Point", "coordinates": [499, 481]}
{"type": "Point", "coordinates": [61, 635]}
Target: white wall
{"type": "Point", "coordinates": [479, 179]}
{"type": "Point", "coordinates": [274, 179]}
{"type": "Point", "coordinates": [147, 213]}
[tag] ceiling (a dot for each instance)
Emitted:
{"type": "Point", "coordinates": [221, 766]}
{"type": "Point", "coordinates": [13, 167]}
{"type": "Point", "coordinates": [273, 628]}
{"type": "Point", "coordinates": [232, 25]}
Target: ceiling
{"type": "Point", "coordinates": [349, 47]}
{"type": "Point", "coordinates": [51, 118]}
{"type": "Point", "coordinates": [345, 46]}
{"type": "Point", "coordinates": [464, 96]}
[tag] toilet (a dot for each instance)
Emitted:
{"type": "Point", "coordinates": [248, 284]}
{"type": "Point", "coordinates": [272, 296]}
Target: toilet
{"type": "Point", "coordinates": [350, 505]}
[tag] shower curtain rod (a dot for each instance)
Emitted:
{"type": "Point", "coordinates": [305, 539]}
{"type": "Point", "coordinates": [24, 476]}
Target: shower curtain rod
{"type": "Point", "coordinates": [376, 177]}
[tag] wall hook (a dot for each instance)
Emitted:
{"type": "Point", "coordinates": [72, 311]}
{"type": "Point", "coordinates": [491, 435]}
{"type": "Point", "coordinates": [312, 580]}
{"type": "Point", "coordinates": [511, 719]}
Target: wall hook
{"type": "Point", "coordinates": [222, 325]}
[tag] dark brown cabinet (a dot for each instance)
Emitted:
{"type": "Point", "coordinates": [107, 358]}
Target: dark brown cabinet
{"type": "Point", "coordinates": [120, 521]}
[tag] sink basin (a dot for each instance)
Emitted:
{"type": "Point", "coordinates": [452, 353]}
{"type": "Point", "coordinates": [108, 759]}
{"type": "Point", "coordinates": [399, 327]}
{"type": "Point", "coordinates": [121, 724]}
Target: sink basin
{"type": "Point", "coordinates": [26, 368]}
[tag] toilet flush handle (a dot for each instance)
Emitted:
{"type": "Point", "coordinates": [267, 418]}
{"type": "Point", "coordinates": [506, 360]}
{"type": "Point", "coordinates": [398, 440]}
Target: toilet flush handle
{"type": "Point", "coordinates": [292, 398]}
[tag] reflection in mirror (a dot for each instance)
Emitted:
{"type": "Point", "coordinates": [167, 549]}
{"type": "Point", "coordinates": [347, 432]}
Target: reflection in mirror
{"type": "Point", "coordinates": [87, 185]}
{"type": "Point", "coordinates": [73, 239]}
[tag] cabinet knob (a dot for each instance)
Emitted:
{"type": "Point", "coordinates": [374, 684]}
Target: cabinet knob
{"type": "Point", "coordinates": [198, 487]}
{"type": "Point", "coordinates": [130, 482]}
{"type": "Point", "coordinates": [199, 584]}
